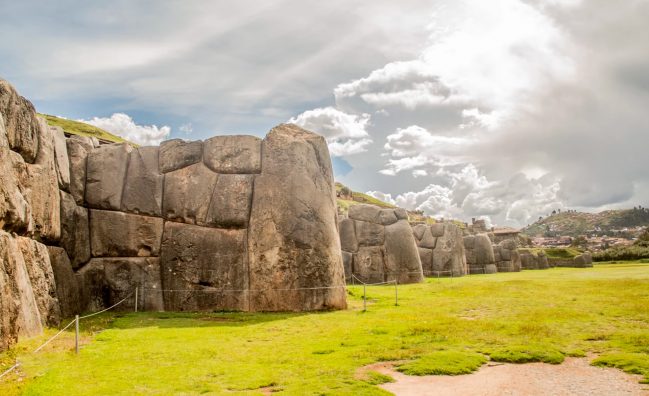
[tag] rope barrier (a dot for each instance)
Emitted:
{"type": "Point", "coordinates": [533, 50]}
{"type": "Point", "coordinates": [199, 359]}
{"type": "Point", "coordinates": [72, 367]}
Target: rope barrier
{"type": "Point", "coordinates": [242, 290]}
{"type": "Point", "coordinates": [10, 369]}
{"type": "Point", "coordinates": [109, 308]}
{"type": "Point", "coordinates": [55, 335]}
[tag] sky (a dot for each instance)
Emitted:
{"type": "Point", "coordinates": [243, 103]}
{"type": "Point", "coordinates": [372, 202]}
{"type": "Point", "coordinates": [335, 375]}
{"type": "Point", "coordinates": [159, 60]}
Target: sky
{"type": "Point", "coordinates": [504, 110]}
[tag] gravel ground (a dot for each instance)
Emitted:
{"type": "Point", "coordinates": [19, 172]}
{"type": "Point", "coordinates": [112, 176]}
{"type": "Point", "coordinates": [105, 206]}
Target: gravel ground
{"type": "Point", "coordinates": [574, 377]}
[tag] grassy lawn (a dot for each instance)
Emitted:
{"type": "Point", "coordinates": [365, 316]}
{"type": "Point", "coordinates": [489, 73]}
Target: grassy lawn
{"type": "Point", "coordinates": [442, 326]}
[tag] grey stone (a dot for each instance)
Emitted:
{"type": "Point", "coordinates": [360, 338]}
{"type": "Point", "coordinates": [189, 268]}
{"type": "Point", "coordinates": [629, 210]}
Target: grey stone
{"type": "Point", "coordinates": [106, 281]}
{"type": "Point", "coordinates": [176, 154]}
{"type": "Point", "coordinates": [348, 259]}
{"type": "Point", "coordinates": [293, 226]}
{"type": "Point", "coordinates": [437, 229]}
{"type": "Point", "coordinates": [75, 230]}
{"type": "Point", "coordinates": [426, 258]}
{"type": "Point", "coordinates": [484, 253]}
{"type": "Point", "coordinates": [187, 193]}
{"type": "Point", "coordinates": [387, 217]}
{"type": "Point", "coordinates": [469, 242]}
{"type": "Point", "coordinates": [401, 255]}
{"type": "Point", "coordinates": [233, 154]}
{"type": "Point", "coordinates": [369, 234]}
{"type": "Point", "coordinates": [15, 210]}
{"type": "Point", "coordinates": [78, 149]}
{"type": "Point", "coordinates": [61, 156]}
{"type": "Point", "coordinates": [401, 214]}
{"type": "Point", "coordinates": [419, 230]}
{"type": "Point", "coordinates": [348, 241]}
{"type": "Point", "coordinates": [117, 234]}
{"type": "Point", "coordinates": [369, 264]}
{"type": "Point", "coordinates": [427, 240]}
{"type": "Point", "coordinates": [41, 278]}
{"type": "Point", "coordinates": [449, 255]}
{"type": "Point", "coordinates": [21, 123]}
{"type": "Point", "coordinates": [143, 187]}
{"type": "Point", "coordinates": [106, 170]}
{"type": "Point", "coordinates": [211, 262]}
{"type": "Point", "coordinates": [364, 212]}
{"type": "Point", "coordinates": [231, 200]}
{"type": "Point", "coordinates": [67, 284]}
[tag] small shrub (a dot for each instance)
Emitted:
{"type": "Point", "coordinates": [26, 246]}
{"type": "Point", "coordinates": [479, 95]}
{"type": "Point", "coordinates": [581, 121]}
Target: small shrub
{"type": "Point", "coordinates": [444, 363]}
{"type": "Point", "coordinates": [632, 363]}
{"type": "Point", "coordinates": [527, 354]}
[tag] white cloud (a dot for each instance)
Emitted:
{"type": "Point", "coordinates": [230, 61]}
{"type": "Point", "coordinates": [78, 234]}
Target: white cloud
{"type": "Point", "coordinates": [123, 125]}
{"type": "Point", "coordinates": [381, 196]}
{"type": "Point", "coordinates": [346, 134]}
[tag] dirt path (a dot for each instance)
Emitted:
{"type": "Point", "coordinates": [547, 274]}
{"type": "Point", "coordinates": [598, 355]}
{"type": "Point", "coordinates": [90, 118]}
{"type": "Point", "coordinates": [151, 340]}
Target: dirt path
{"type": "Point", "coordinates": [574, 377]}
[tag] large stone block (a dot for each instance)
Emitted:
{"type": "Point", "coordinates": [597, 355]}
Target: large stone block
{"type": "Point", "coordinates": [437, 229]}
{"type": "Point", "coordinates": [75, 230]}
{"type": "Point", "coordinates": [402, 261]}
{"type": "Point", "coordinates": [176, 154]}
{"type": "Point", "coordinates": [369, 264]}
{"type": "Point", "coordinates": [106, 170]}
{"type": "Point", "coordinates": [231, 201]}
{"type": "Point", "coordinates": [484, 253]}
{"type": "Point", "coordinates": [233, 154]}
{"type": "Point", "coordinates": [19, 313]}
{"type": "Point", "coordinates": [387, 217]}
{"type": "Point", "coordinates": [204, 268]}
{"type": "Point", "coordinates": [363, 212]}
{"type": "Point", "coordinates": [78, 149]}
{"type": "Point", "coordinates": [348, 241]}
{"type": "Point", "coordinates": [117, 234]}
{"type": "Point", "coordinates": [61, 157]}
{"type": "Point", "coordinates": [295, 255]}
{"type": "Point", "coordinates": [20, 121]}
{"type": "Point", "coordinates": [449, 257]}
{"type": "Point", "coordinates": [106, 281]}
{"type": "Point", "coordinates": [348, 260]}
{"type": "Point", "coordinates": [15, 210]}
{"type": "Point", "coordinates": [426, 258]}
{"type": "Point", "coordinates": [369, 234]}
{"type": "Point", "coordinates": [67, 284]}
{"type": "Point", "coordinates": [143, 187]}
{"type": "Point", "coordinates": [428, 241]}
{"type": "Point", "coordinates": [419, 231]}
{"type": "Point", "coordinates": [187, 193]}
{"type": "Point", "coordinates": [41, 279]}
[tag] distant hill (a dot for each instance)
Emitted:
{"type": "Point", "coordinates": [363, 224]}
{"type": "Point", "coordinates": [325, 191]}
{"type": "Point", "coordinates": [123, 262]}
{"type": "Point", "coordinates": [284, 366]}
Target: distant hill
{"type": "Point", "coordinates": [79, 128]}
{"type": "Point", "coordinates": [579, 223]}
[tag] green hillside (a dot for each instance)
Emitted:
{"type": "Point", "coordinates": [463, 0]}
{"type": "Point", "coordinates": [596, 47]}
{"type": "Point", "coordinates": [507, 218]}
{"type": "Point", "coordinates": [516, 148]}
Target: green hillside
{"type": "Point", "coordinates": [579, 223]}
{"type": "Point", "coordinates": [79, 128]}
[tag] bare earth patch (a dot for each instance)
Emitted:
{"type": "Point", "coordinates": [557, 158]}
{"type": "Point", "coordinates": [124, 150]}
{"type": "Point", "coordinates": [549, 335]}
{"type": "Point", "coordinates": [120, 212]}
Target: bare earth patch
{"type": "Point", "coordinates": [573, 377]}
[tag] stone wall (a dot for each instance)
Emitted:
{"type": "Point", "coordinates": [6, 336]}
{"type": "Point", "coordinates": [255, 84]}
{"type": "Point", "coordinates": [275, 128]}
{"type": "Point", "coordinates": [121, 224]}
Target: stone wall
{"type": "Point", "coordinates": [232, 222]}
{"type": "Point", "coordinates": [584, 260]}
{"type": "Point", "coordinates": [480, 256]}
{"type": "Point", "coordinates": [378, 245]}
{"type": "Point", "coordinates": [532, 260]}
{"type": "Point", "coordinates": [506, 256]}
{"type": "Point", "coordinates": [441, 249]}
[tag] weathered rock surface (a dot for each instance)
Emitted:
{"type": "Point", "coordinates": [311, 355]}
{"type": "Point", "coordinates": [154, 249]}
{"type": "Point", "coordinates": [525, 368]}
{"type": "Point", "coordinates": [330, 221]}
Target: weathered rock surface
{"type": "Point", "coordinates": [19, 313]}
{"type": "Point", "coordinates": [382, 245]}
{"type": "Point", "coordinates": [207, 267]}
{"type": "Point", "coordinates": [15, 211]}
{"type": "Point", "coordinates": [75, 230]}
{"type": "Point", "coordinates": [78, 149]}
{"type": "Point", "coordinates": [441, 249]}
{"type": "Point", "coordinates": [348, 261]}
{"type": "Point", "coordinates": [507, 257]}
{"type": "Point", "coordinates": [21, 123]}
{"type": "Point", "coordinates": [106, 170]}
{"type": "Point", "coordinates": [106, 281]}
{"type": "Point", "coordinates": [67, 284]}
{"type": "Point", "coordinates": [231, 201]}
{"type": "Point", "coordinates": [293, 237]}
{"type": "Point", "coordinates": [117, 234]}
{"type": "Point", "coordinates": [41, 278]}
{"type": "Point", "coordinates": [583, 260]}
{"type": "Point", "coordinates": [402, 260]}
{"type": "Point", "coordinates": [61, 157]}
{"type": "Point", "coordinates": [143, 187]}
{"type": "Point", "coordinates": [187, 193]}
{"type": "Point", "coordinates": [176, 154]}
{"type": "Point", "coordinates": [348, 241]}
{"type": "Point", "coordinates": [480, 256]}
{"type": "Point", "coordinates": [233, 154]}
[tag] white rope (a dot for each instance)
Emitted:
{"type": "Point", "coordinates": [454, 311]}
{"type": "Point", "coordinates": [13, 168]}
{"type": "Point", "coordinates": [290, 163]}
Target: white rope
{"type": "Point", "coordinates": [56, 335]}
{"type": "Point", "coordinates": [10, 369]}
{"type": "Point", "coordinates": [374, 284]}
{"type": "Point", "coordinates": [104, 310]}
{"type": "Point", "coordinates": [245, 290]}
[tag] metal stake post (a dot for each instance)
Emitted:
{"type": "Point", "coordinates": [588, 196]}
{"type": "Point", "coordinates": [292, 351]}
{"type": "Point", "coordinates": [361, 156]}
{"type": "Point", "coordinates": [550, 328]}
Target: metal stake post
{"type": "Point", "coordinates": [76, 334]}
{"type": "Point", "coordinates": [396, 293]}
{"type": "Point", "coordinates": [364, 299]}
{"type": "Point", "coordinates": [136, 298]}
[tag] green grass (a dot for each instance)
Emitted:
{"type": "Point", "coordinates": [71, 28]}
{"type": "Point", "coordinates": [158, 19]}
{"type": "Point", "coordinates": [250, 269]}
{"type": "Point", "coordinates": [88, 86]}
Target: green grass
{"type": "Point", "coordinates": [444, 363]}
{"type": "Point", "coordinates": [559, 312]}
{"type": "Point", "coordinates": [83, 129]}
